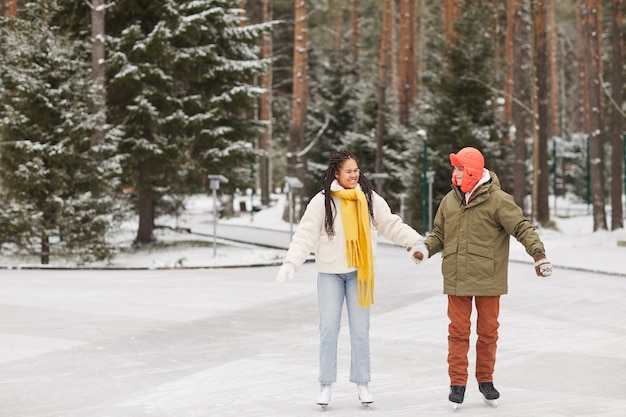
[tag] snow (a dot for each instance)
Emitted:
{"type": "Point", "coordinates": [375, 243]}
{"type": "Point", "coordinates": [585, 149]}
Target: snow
{"type": "Point", "coordinates": [151, 336]}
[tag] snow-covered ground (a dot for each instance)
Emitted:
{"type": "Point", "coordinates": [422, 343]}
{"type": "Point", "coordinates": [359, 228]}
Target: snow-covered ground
{"type": "Point", "coordinates": [174, 341]}
{"type": "Point", "coordinates": [570, 246]}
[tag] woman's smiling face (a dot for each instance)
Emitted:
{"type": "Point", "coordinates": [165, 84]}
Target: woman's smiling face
{"type": "Point", "coordinates": [348, 174]}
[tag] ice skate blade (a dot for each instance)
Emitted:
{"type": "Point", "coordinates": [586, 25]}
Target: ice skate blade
{"type": "Point", "coordinates": [323, 406]}
{"type": "Point", "coordinates": [454, 406]}
{"type": "Point", "coordinates": [367, 405]}
{"type": "Point", "coordinates": [492, 403]}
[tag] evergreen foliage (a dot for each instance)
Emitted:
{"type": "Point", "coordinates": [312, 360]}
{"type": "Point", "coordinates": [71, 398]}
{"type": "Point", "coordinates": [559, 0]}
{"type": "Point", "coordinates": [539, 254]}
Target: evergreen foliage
{"type": "Point", "coordinates": [218, 63]}
{"type": "Point", "coordinates": [139, 97]}
{"type": "Point", "coordinates": [348, 110]}
{"type": "Point", "coordinates": [463, 108]}
{"type": "Point", "coordinates": [333, 113]}
{"type": "Point", "coordinates": [58, 196]}
{"type": "Point", "coordinates": [181, 89]}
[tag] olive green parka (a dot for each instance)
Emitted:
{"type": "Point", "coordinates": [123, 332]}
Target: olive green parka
{"type": "Point", "coordinates": [474, 239]}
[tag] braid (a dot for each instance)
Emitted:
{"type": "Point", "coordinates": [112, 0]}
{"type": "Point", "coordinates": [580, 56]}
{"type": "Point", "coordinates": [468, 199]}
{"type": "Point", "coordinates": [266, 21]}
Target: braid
{"type": "Point", "coordinates": [335, 162]}
{"type": "Point", "coordinates": [366, 187]}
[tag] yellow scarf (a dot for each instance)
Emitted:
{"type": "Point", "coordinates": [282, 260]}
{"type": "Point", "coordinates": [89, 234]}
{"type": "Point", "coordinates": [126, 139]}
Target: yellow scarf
{"type": "Point", "coordinates": [356, 225]}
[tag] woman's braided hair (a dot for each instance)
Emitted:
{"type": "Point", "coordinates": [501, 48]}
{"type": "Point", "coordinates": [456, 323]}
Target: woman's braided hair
{"type": "Point", "coordinates": [335, 162]}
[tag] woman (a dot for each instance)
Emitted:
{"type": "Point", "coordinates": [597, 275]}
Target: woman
{"type": "Point", "coordinates": [341, 224]}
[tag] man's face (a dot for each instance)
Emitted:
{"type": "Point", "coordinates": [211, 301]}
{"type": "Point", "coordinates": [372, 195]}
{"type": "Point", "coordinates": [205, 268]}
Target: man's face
{"type": "Point", "coordinates": [458, 175]}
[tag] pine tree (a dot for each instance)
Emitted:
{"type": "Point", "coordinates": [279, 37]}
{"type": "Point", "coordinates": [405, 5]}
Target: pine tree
{"type": "Point", "coordinates": [57, 189]}
{"type": "Point", "coordinates": [333, 113]}
{"type": "Point", "coordinates": [181, 91]}
{"type": "Point", "coordinates": [462, 107]}
{"type": "Point", "coordinates": [217, 68]}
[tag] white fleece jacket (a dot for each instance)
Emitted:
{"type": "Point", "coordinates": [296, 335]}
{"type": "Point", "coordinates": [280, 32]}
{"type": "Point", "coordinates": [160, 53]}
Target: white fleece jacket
{"type": "Point", "coordinates": [330, 252]}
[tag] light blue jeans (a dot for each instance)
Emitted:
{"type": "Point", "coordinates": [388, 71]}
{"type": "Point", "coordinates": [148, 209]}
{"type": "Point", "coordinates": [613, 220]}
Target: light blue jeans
{"type": "Point", "coordinates": [331, 291]}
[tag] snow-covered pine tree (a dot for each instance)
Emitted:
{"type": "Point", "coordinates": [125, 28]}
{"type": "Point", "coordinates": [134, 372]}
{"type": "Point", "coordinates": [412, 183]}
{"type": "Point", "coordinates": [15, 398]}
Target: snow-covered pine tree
{"type": "Point", "coordinates": [57, 194]}
{"type": "Point", "coordinates": [218, 69]}
{"type": "Point", "coordinates": [333, 112]}
{"type": "Point", "coordinates": [462, 106]}
{"type": "Point", "coordinates": [181, 89]}
{"type": "Point", "coordinates": [140, 103]}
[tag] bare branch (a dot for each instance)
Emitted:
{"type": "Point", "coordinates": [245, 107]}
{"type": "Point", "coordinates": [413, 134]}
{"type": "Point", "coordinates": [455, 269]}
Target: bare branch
{"type": "Point", "coordinates": [310, 145]}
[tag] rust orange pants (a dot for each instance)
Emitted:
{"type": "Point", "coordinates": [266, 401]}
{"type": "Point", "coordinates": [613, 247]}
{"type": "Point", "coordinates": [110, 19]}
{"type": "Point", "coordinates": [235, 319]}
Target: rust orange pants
{"type": "Point", "coordinates": [459, 312]}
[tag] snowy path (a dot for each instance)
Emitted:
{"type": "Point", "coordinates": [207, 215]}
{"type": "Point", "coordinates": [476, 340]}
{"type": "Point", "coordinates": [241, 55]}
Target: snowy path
{"type": "Point", "coordinates": [233, 343]}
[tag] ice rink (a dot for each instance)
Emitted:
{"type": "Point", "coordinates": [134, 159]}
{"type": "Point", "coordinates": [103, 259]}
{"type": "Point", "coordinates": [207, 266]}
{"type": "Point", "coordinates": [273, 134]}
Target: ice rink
{"type": "Point", "coordinates": [232, 342]}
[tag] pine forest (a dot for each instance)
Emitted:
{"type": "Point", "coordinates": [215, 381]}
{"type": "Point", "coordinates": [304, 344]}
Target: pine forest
{"type": "Point", "coordinates": [114, 110]}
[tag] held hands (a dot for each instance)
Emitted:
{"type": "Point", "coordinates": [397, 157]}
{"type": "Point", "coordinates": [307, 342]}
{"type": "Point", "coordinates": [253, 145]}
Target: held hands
{"type": "Point", "coordinates": [285, 273]}
{"type": "Point", "coordinates": [543, 267]}
{"type": "Point", "coordinates": [418, 252]}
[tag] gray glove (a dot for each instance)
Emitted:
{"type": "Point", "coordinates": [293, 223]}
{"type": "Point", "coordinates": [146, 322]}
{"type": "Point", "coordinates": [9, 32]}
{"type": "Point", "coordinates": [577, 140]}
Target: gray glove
{"type": "Point", "coordinates": [285, 273]}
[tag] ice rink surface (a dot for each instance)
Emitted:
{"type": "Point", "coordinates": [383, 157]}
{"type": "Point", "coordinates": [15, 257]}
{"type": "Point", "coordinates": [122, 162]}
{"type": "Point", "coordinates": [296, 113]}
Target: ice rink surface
{"type": "Point", "coordinates": [232, 342]}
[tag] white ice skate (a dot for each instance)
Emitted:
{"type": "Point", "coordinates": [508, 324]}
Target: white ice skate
{"type": "Point", "coordinates": [364, 395]}
{"type": "Point", "coordinates": [324, 398]}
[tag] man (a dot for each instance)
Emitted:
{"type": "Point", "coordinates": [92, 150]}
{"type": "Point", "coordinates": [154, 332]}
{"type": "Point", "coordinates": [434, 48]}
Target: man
{"type": "Point", "coordinates": [472, 228]}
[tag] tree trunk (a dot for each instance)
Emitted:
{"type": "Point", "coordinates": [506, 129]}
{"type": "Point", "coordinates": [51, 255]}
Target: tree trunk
{"type": "Point", "coordinates": [9, 8]}
{"type": "Point", "coordinates": [419, 62]}
{"type": "Point", "coordinates": [98, 67]}
{"type": "Point", "coordinates": [412, 65]}
{"type": "Point", "coordinates": [383, 60]}
{"type": "Point", "coordinates": [617, 118]}
{"type": "Point", "coordinates": [554, 79]}
{"type": "Point", "coordinates": [355, 36]}
{"type": "Point", "coordinates": [596, 149]}
{"type": "Point", "coordinates": [511, 8]}
{"type": "Point", "coordinates": [534, 100]}
{"type": "Point", "coordinates": [146, 217]}
{"type": "Point", "coordinates": [450, 15]}
{"type": "Point", "coordinates": [45, 249]}
{"type": "Point", "coordinates": [495, 34]}
{"type": "Point", "coordinates": [519, 112]}
{"type": "Point", "coordinates": [393, 49]}
{"type": "Point", "coordinates": [265, 171]}
{"type": "Point", "coordinates": [406, 60]}
{"type": "Point", "coordinates": [296, 166]}
{"type": "Point", "coordinates": [338, 27]}
{"type": "Point", "coordinates": [581, 120]}
{"type": "Point", "coordinates": [541, 170]}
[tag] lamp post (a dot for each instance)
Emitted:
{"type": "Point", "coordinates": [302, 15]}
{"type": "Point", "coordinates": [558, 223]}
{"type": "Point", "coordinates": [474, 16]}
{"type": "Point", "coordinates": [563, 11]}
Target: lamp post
{"type": "Point", "coordinates": [214, 183]}
{"type": "Point", "coordinates": [252, 173]}
{"type": "Point", "coordinates": [588, 163]}
{"type": "Point", "coordinates": [379, 179]}
{"type": "Point", "coordinates": [554, 172]}
{"type": "Point", "coordinates": [403, 207]}
{"type": "Point", "coordinates": [430, 175]}
{"type": "Point", "coordinates": [424, 136]}
{"type": "Point", "coordinates": [291, 184]}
